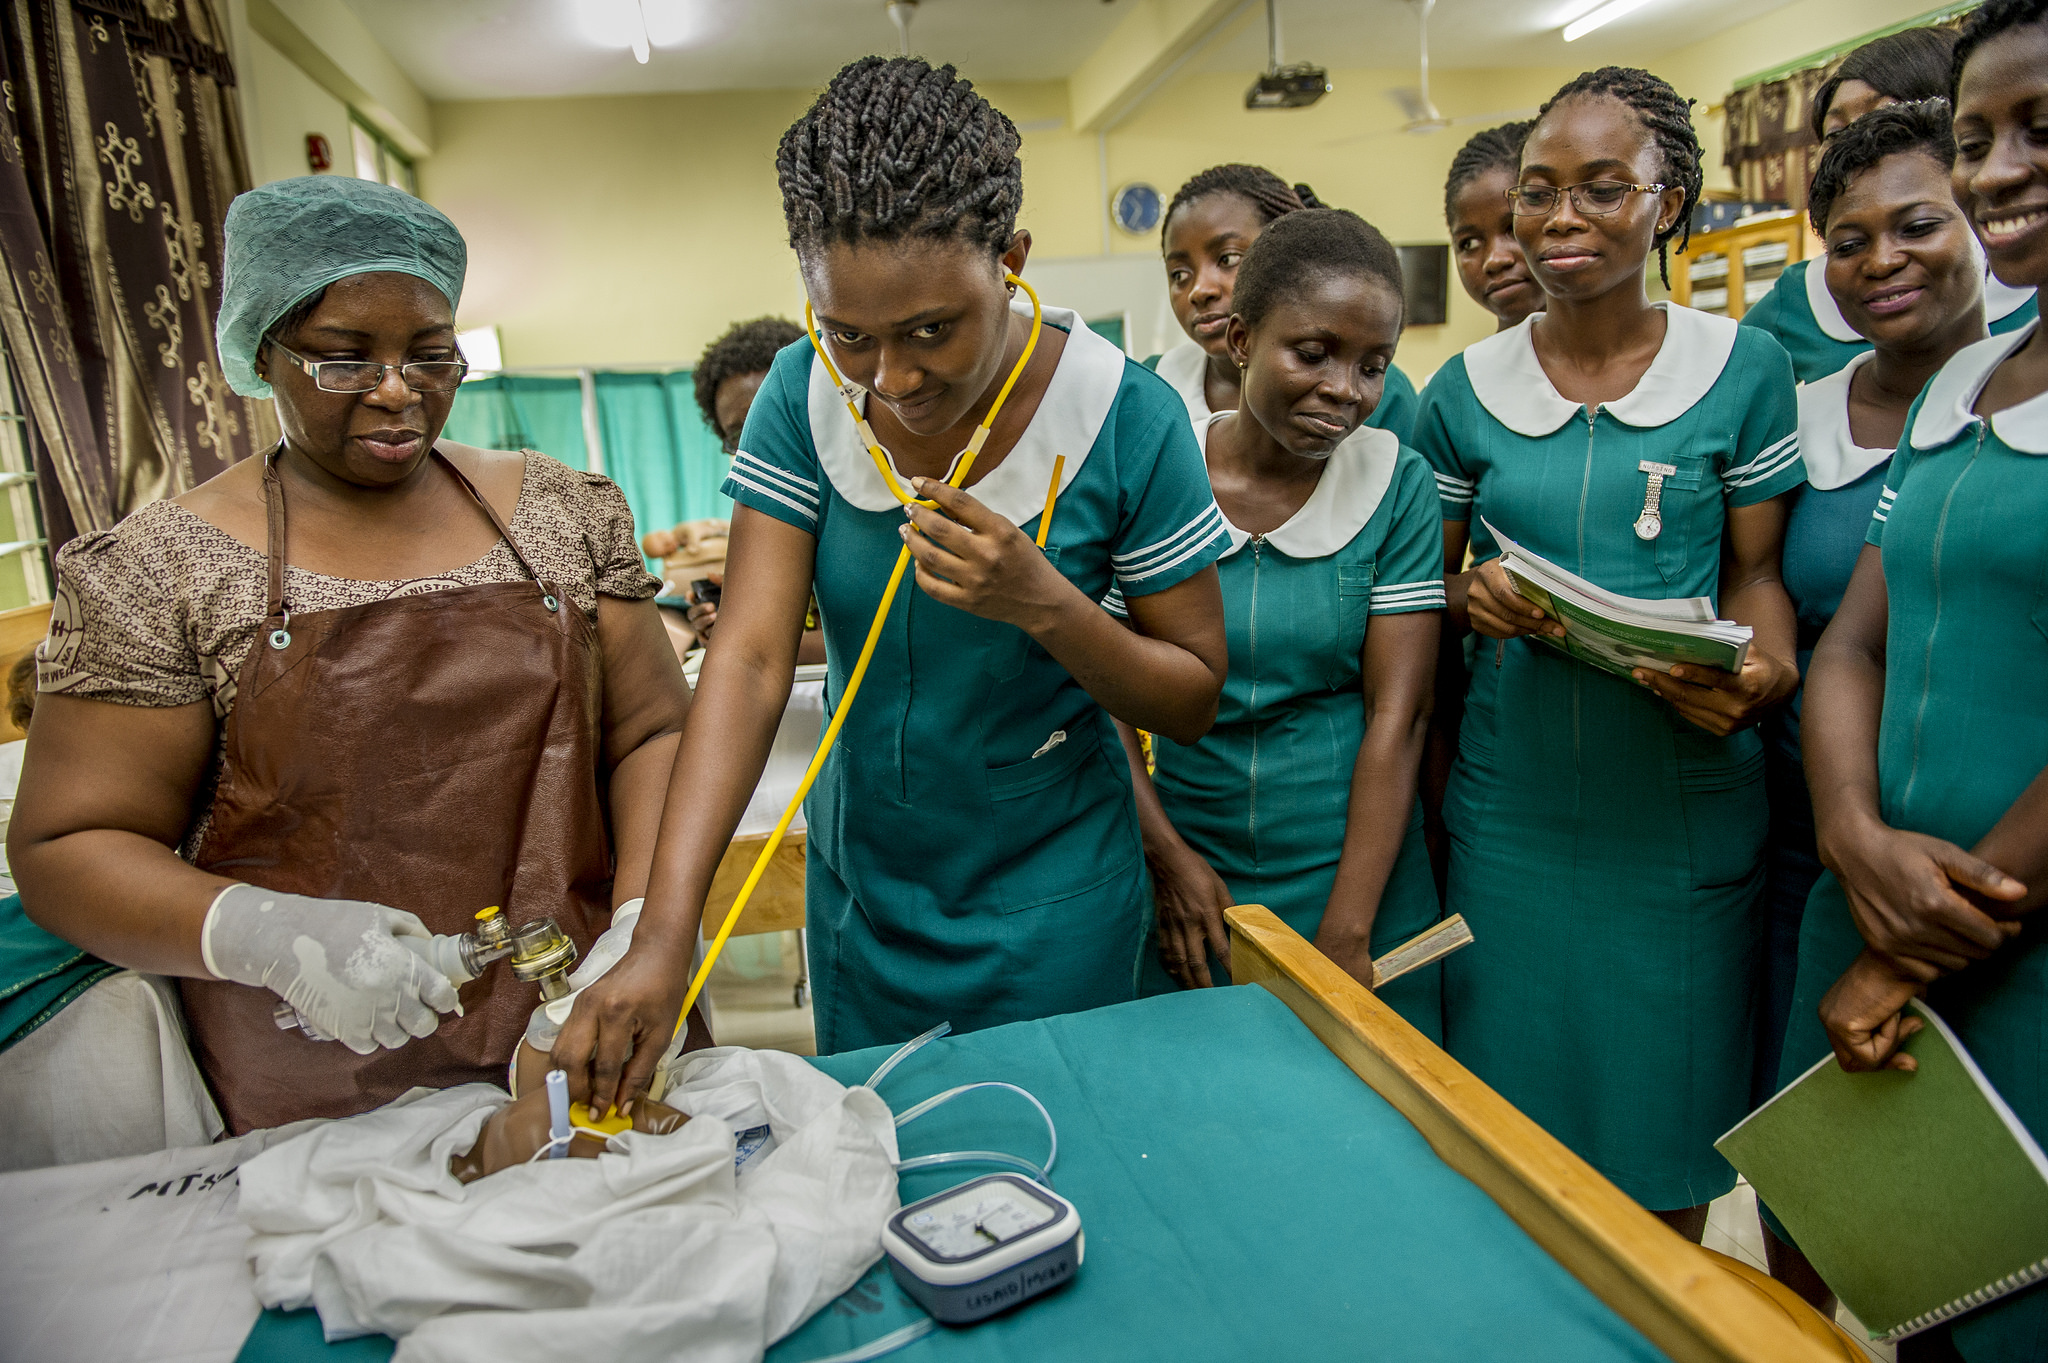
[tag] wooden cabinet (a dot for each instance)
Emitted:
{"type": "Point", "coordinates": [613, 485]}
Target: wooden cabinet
{"type": "Point", "coordinates": [1726, 272]}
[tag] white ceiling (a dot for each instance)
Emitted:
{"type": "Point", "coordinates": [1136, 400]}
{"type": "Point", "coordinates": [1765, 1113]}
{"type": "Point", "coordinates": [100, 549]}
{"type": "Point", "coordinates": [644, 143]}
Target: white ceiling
{"type": "Point", "coordinates": [500, 49]}
{"type": "Point", "coordinates": [1354, 34]}
{"type": "Point", "coordinates": [508, 49]}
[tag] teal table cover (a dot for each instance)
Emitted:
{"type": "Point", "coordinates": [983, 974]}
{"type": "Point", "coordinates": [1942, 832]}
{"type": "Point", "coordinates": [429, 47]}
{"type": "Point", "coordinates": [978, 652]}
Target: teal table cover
{"type": "Point", "coordinates": [1243, 1194]}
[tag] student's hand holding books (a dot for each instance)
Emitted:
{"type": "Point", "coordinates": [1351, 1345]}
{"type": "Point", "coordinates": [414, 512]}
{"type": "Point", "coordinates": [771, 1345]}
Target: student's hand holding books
{"type": "Point", "coordinates": [1864, 1014]}
{"type": "Point", "coordinates": [1498, 611]}
{"type": "Point", "coordinates": [1723, 702]}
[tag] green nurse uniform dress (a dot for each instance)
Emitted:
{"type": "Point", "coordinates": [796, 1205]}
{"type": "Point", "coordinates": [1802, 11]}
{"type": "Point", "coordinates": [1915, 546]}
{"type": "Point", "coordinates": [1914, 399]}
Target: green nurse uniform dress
{"type": "Point", "coordinates": [973, 850]}
{"type": "Point", "coordinates": [1803, 315]}
{"type": "Point", "coordinates": [1823, 538]}
{"type": "Point", "coordinates": [1963, 526]}
{"type": "Point", "coordinates": [1184, 365]}
{"type": "Point", "coordinates": [1607, 853]}
{"type": "Point", "coordinates": [1263, 797]}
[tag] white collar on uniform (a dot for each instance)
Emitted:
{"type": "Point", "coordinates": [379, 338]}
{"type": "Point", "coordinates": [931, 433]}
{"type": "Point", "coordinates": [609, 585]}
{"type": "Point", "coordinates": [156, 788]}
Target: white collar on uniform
{"type": "Point", "coordinates": [1069, 417]}
{"type": "Point", "coordinates": [1510, 383]}
{"type": "Point", "coordinates": [1833, 458]}
{"type": "Point", "coordinates": [1354, 483]}
{"type": "Point", "coordinates": [2001, 300]}
{"type": "Point", "coordinates": [1186, 367]}
{"type": "Point", "coordinates": [1945, 410]}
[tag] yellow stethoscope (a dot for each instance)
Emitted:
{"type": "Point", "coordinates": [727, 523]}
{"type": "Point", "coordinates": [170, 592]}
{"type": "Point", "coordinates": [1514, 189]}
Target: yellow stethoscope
{"type": "Point", "coordinates": [850, 393]}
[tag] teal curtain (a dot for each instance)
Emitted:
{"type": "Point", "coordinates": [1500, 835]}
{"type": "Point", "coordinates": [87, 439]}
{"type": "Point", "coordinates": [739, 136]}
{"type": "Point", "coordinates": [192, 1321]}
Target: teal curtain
{"type": "Point", "coordinates": [515, 412]}
{"type": "Point", "coordinates": [656, 445]}
{"type": "Point", "coordinates": [1110, 329]}
{"type": "Point", "coordinates": [658, 449]}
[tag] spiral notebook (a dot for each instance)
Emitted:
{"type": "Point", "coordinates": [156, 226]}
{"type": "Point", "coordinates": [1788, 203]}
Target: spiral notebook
{"type": "Point", "coordinates": [1917, 1196]}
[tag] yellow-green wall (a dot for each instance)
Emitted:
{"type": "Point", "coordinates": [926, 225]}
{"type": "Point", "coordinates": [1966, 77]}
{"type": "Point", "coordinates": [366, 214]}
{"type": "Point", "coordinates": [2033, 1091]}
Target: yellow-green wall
{"type": "Point", "coordinates": [286, 105]}
{"type": "Point", "coordinates": [633, 229]}
{"type": "Point", "coordinates": [1349, 147]}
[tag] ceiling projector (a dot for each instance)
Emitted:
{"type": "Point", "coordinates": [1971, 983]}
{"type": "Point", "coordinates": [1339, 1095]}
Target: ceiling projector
{"type": "Point", "coordinates": [1288, 87]}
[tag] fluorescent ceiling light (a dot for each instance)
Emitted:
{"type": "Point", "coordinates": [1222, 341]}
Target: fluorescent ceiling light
{"type": "Point", "coordinates": [639, 24]}
{"type": "Point", "coordinates": [1600, 18]}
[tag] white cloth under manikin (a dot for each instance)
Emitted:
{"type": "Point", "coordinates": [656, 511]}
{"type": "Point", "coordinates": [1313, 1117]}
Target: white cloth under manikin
{"type": "Point", "coordinates": [660, 1251]}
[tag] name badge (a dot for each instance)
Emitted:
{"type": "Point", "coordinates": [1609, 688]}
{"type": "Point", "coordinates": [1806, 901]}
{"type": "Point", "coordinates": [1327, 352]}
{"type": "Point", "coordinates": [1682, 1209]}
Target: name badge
{"type": "Point", "coordinates": [1650, 524]}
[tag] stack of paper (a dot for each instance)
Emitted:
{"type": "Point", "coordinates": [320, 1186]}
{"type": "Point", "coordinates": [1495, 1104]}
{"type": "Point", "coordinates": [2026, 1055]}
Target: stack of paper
{"type": "Point", "coordinates": [1917, 1196]}
{"type": "Point", "coordinates": [1617, 633]}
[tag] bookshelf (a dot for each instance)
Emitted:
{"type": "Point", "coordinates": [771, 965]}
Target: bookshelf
{"type": "Point", "coordinates": [1727, 271]}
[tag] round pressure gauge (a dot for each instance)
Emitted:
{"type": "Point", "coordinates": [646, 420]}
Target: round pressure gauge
{"type": "Point", "coordinates": [983, 1247]}
{"type": "Point", "coordinates": [1136, 208]}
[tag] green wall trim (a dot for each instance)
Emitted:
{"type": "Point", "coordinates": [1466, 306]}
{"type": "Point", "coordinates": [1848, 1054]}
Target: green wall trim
{"type": "Point", "coordinates": [1828, 54]}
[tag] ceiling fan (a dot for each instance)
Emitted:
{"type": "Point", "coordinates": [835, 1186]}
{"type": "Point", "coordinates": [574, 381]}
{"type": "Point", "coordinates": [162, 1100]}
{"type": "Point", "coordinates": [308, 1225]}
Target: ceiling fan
{"type": "Point", "coordinates": [1421, 112]}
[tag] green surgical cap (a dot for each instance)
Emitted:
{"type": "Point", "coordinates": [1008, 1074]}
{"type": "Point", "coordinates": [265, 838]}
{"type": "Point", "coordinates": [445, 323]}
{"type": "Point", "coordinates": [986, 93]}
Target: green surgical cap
{"type": "Point", "coordinates": [292, 238]}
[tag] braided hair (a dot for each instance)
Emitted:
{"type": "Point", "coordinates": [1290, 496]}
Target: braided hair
{"type": "Point", "coordinates": [746, 348]}
{"type": "Point", "coordinates": [1312, 242]}
{"type": "Point", "coordinates": [1924, 126]}
{"type": "Point", "coordinates": [1270, 196]}
{"type": "Point", "coordinates": [1494, 149]}
{"type": "Point", "coordinates": [899, 150]}
{"type": "Point", "coordinates": [1910, 65]}
{"type": "Point", "coordinates": [1991, 20]}
{"type": "Point", "coordinates": [1667, 117]}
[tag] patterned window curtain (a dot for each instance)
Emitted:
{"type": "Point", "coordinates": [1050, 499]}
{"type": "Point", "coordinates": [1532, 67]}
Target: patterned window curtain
{"type": "Point", "coordinates": [120, 148]}
{"type": "Point", "coordinates": [1770, 147]}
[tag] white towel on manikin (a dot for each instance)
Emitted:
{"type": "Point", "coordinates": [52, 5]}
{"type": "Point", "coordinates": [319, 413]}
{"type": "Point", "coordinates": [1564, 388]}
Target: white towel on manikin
{"type": "Point", "coordinates": [661, 1251]}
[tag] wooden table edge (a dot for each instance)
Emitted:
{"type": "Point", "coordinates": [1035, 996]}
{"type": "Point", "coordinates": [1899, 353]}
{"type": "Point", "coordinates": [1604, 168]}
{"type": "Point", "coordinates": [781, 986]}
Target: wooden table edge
{"type": "Point", "coordinates": [1646, 1272]}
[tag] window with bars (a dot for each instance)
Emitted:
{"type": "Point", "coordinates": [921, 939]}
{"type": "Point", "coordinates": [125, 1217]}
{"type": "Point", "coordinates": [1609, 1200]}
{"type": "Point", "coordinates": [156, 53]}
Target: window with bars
{"type": "Point", "coordinates": [24, 550]}
{"type": "Point", "coordinates": [377, 158]}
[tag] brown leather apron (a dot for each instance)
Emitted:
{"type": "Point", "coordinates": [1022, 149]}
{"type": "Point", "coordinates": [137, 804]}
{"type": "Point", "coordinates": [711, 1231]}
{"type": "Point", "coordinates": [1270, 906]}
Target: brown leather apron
{"type": "Point", "coordinates": [437, 753]}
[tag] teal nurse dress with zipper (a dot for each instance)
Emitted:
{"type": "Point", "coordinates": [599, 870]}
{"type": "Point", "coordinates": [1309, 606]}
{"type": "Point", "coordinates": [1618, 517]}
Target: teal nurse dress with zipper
{"type": "Point", "coordinates": [973, 851]}
{"type": "Point", "coordinates": [1184, 366]}
{"type": "Point", "coordinates": [1608, 854]}
{"type": "Point", "coordinates": [1823, 538]}
{"type": "Point", "coordinates": [1264, 795]}
{"type": "Point", "coordinates": [1806, 320]}
{"type": "Point", "coordinates": [1963, 526]}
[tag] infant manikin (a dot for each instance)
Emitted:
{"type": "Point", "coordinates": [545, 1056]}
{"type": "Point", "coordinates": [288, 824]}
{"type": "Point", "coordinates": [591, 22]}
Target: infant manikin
{"type": "Point", "coordinates": [519, 1130]}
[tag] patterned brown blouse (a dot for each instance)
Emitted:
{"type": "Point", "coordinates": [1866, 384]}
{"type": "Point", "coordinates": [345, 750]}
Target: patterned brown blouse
{"type": "Point", "coordinates": [162, 609]}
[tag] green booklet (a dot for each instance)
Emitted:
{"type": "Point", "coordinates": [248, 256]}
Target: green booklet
{"type": "Point", "coordinates": [1917, 1196]}
{"type": "Point", "coordinates": [1618, 633]}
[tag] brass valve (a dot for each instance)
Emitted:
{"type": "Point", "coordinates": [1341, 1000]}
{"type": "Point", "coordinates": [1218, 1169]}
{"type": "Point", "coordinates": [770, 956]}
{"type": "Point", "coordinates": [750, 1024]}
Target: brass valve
{"type": "Point", "coordinates": [542, 952]}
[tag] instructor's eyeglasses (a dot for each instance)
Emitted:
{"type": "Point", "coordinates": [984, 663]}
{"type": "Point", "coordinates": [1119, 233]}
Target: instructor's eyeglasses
{"type": "Point", "coordinates": [362, 376]}
{"type": "Point", "coordinates": [1594, 198]}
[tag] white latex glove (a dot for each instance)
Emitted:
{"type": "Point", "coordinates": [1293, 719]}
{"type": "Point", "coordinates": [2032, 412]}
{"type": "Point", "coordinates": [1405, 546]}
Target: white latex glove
{"type": "Point", "coordinates": [607, 951]}
{"type": "Point", "coordinates": [341, 962]}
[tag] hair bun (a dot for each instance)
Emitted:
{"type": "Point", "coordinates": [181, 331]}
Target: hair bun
{"type": "Point", "coordinates": [1308, 197]}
